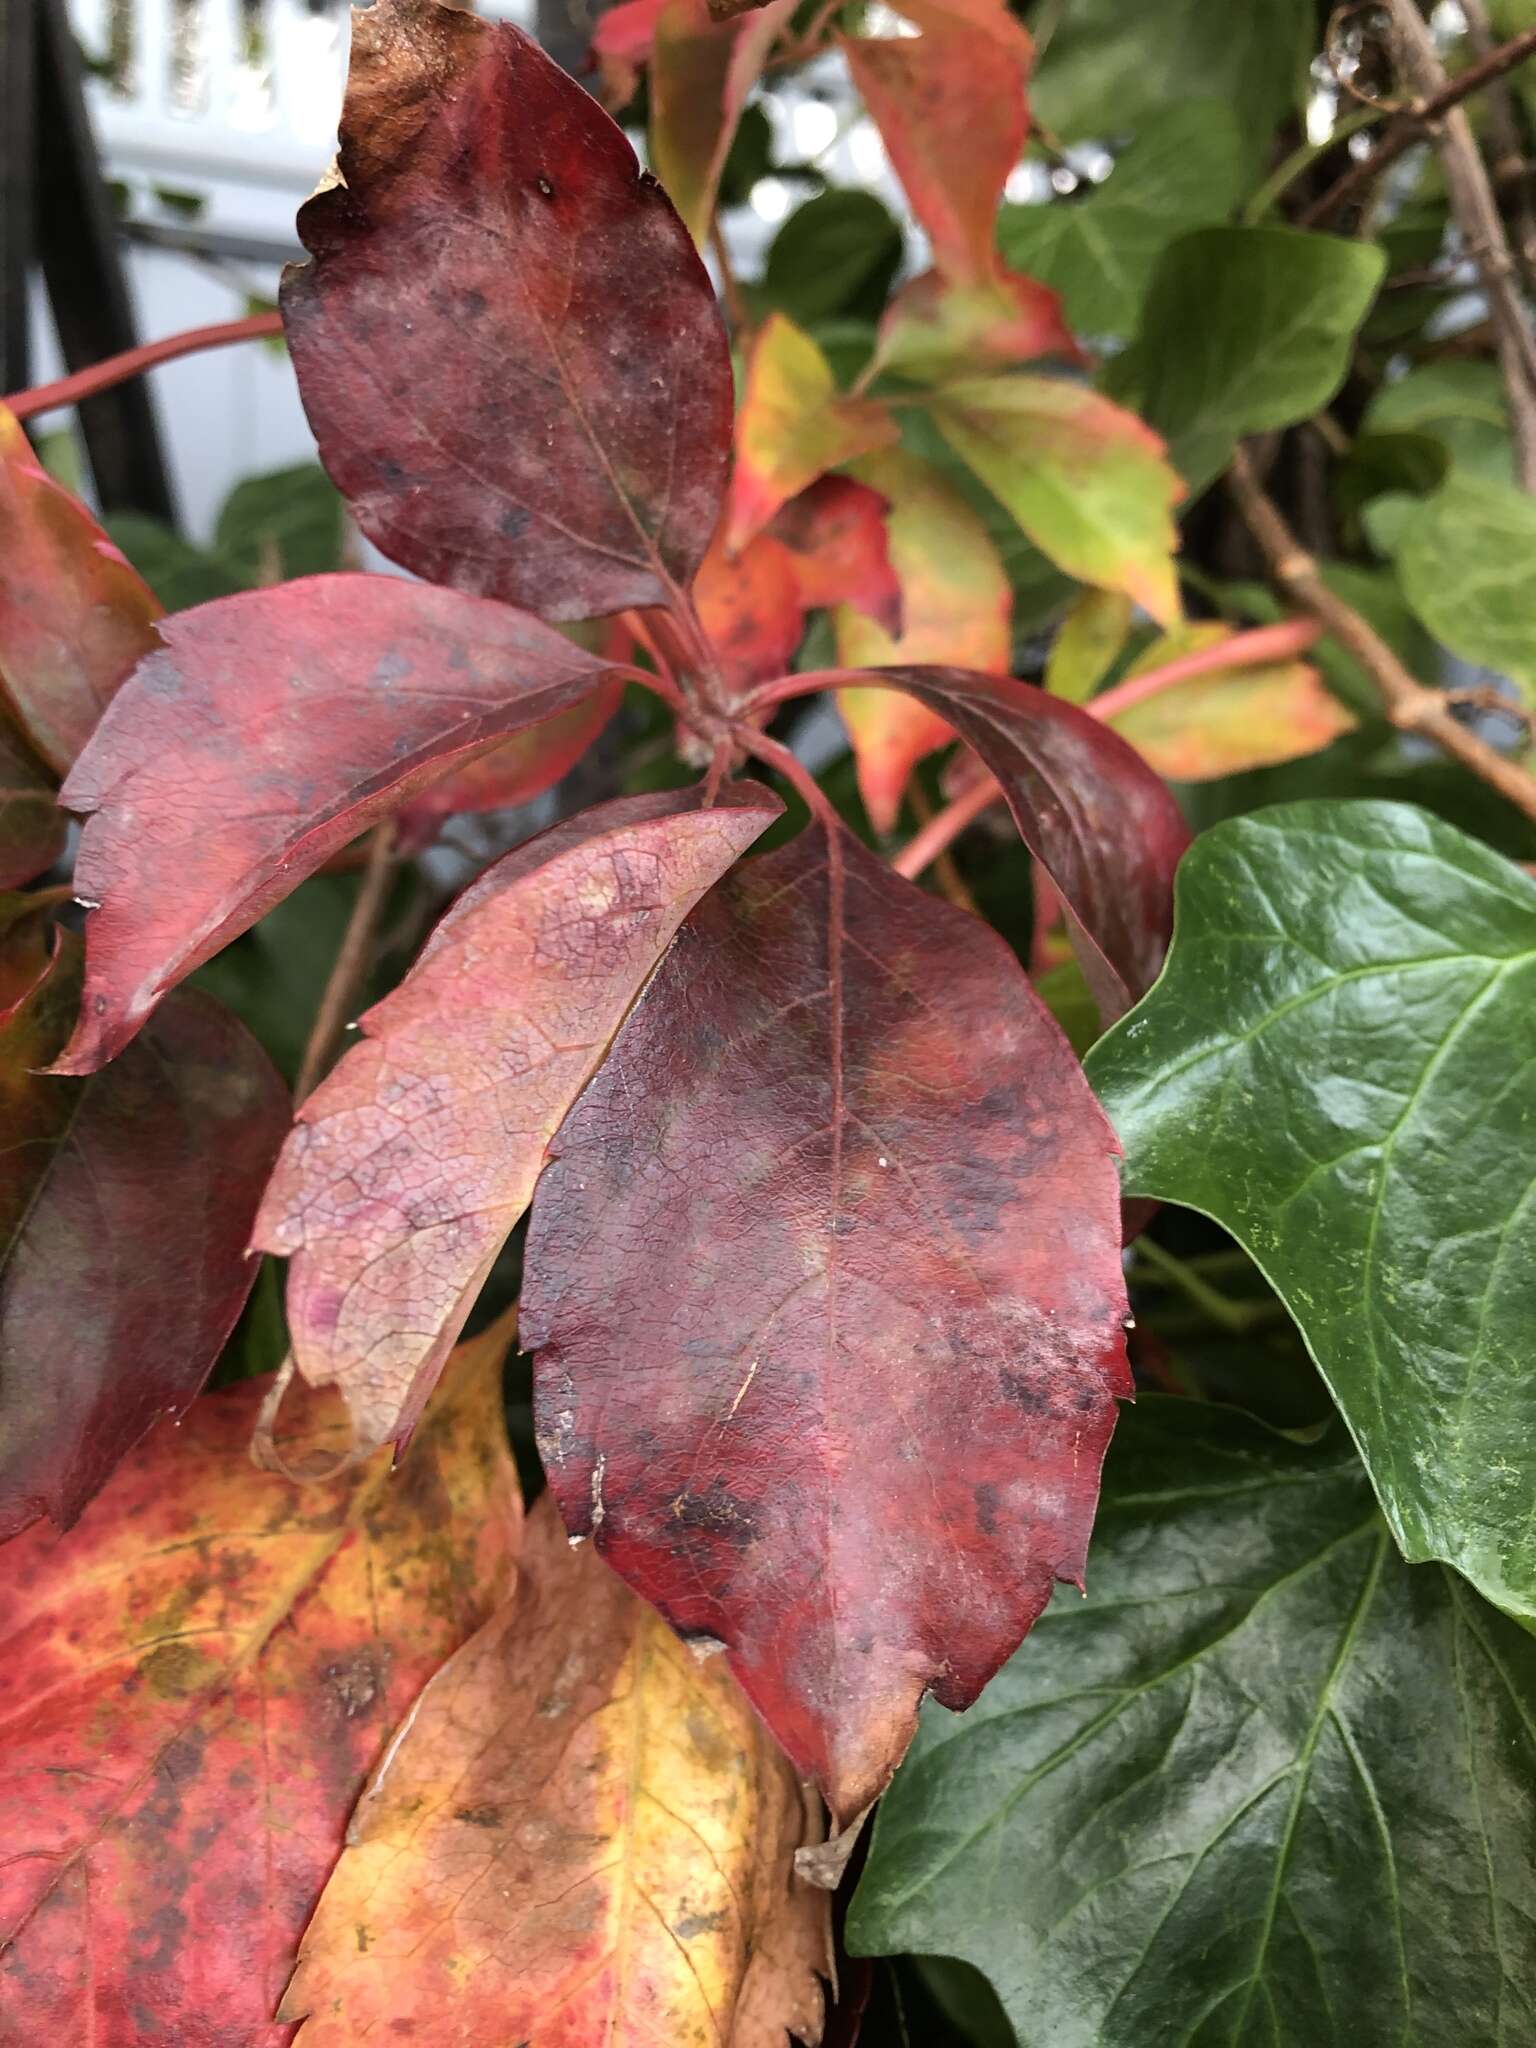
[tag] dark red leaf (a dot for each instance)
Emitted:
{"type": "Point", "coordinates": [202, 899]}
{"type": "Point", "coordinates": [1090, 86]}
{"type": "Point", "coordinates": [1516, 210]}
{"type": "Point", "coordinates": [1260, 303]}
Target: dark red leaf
{"type": "Point", "coordinates": [273, 728]}
{"type": "Point", "coordinates": [126, 1204]}
{"type": "Point", "coordinates": [824, 1278]}
{"type": "Point", "coordinates": [506, 344]}
{"type": "Point", "coordinates": [1097, 818]}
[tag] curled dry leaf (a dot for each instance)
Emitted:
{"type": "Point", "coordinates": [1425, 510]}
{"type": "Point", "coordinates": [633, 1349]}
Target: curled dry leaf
{"type": "Point", "coordinates": [1103, 826]}
{"type": "Point", "coordinates": [271, 729]}
{"type": "Point", "coordinates": [824, 1281]}
{"type": "Point", "coordinates": [74, 617]}
{"type": "Point", "coordinates": [582, 1834]}
{"type": "Point", "coordinates": [412, 1161]}
{"type": "Point", "coordinates": [125, 1203]}
{"type": "Point", "coordinates": [956, 610]}
{"type": "Point", "coordinates": [506, 343]}
{"type": "Point", "coordinates": [792, 426]}
{"type": "Point", "coordinates": [196, 1683]}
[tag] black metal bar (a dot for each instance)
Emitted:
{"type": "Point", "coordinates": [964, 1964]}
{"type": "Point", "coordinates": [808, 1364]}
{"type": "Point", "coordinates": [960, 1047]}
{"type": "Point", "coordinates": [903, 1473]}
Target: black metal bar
{"type": "Point", "coordinates": [81, 254]}
{"type": "Point", "coordinates": [17, 178]}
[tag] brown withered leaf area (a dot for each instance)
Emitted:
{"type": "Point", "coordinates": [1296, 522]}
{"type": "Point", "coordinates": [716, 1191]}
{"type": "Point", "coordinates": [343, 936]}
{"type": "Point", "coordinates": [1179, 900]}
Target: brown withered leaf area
{"type": "Point", "coordinates": [582, 1836]}
{"type": "Point", "coordinates": [194, 1686]}
{"type": "Point", "coordinates": [824, 1283]}
{"type": "Point", "coordinates": [270, 730]}
{"type": "Point", "coordinates": [506, 343]}
{"type": "Point", "coordinates": [1102, 824]}
{"type": "Point", "coordinates": [125, 1205]}
{"type": "Point", "coordinates": [410, 1164]}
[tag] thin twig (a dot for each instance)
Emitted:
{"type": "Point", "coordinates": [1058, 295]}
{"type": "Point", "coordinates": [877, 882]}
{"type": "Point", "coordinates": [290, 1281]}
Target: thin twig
{"type": "Point", "coordinates": [1410, 705]}
{"type": "Point", "coordinates": [111, 370]}
{"type": "Point", "coordinates": [1407, 129]}
{"type": "Point", "coordinates": [949, 878]}
{"type": "Point", "coordinates": [1482, 231]}
{"type": "Point", "coordinates": [737, 316]}
{"type": "Point", "coordinates": [1507, 153]}
{"type": "Point", "coordinates": [351, 963]}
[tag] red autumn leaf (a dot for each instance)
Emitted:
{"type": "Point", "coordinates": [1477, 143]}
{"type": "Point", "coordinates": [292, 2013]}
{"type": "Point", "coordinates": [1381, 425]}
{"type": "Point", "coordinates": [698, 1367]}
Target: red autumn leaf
{"type": "Point", "coordinates": [410, 1164]}
{"type": "Point", "coordinates": [957, 609]}
{"type": "Point", "coordinates": [621, 45]}
{"type": "Point", "coordinates": [751, 607]}
{"type": "Point", "coordinates": [824, 1281]}
{"type": "Point", "coordinates": [74, 618]}
{"type": "Point", "coordinates": [516, 771]}
{"type": "Point", "coordinates": [792, 426]}
{"type": "Point", "coordinates": [525, 393]}
{"type": "Point", "coordinates": [125, 1205]}
{"type": "Point", "coordinates": [952, 109]}
{"type": "Point", "coordinates": [195, 1684]}
{"type": "Point", "coordinates": [271, 729]}
{"type": "Point", "coordinates": [702, 70]}
{"type": "Point", "coordinates": [836, 533]}
{"type": "Point", "coordinates": [583, 1836]}
{"type": "Point", "coordinates": [1103, 826]}
{"type": "Point", "coordinates": [32, 827]}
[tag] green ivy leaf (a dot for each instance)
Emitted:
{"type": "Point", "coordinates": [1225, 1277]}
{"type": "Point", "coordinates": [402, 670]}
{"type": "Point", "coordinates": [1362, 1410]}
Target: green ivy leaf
{"type": "Point", "coordinates": [1339, 1066]}
{"type": "Point", "coordinates": [1266, 1785]}
{"type": "Point", "coordinates": [290, 522]}
{"type": "Point", "coordinates": [1183, 170]}
{"type": "Point", "coordinates": [1464, 560]}
{"type": "Point", "coordinates": [1460, 405]}
{"type": "Point", "coordinates": [836, 255]}
{"type": "Point", "coordinates": [1109, 67]}
{"type": "Point", "coordinates": [179, 574]}
{"type": "Point", "coordinates": [1244, 329]}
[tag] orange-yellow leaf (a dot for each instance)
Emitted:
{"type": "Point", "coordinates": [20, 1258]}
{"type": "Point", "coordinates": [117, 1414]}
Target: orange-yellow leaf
{"type": "Point", "coordinates": [196, 1682]}
{"type": "Point", "coordinates": [956, 613]}
{"type": "Point", "coordinates": [1229, 720]}
{"type": "Point", "coordinates": [411, 1162]}
{"type": "Point", "coordinates": [933, 329]}
{"type": "Point", "coordinates": [1088, 644]}
{"type": "Point", "coordinates": [584, 1836]}
{"type": "Point", "coordinates": [74, 617]}
{"type": "Point", "coordinates": [792, 426]}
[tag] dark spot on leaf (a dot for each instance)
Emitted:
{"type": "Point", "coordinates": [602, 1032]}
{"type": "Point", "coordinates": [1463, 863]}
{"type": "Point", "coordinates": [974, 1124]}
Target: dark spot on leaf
{"type": "Point", "coordinates": [513, 521]}
{"type": "Point", "coordinates": [479, 1816]}
{"type": "Point", "coordinates": [693, 1924]}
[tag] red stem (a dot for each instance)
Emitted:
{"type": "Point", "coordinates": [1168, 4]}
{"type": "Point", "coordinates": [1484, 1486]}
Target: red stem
{"type": "Point", "coordinates": [820, 805]}
{"type": "Point", "coordinates": [134, 361]}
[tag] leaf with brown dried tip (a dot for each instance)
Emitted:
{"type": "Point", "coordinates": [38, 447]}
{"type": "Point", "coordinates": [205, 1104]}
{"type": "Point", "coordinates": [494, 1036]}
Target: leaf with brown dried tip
{"type": "Point", "coordinates": [411, 1162]}
{"type": "Point", "coordinates": [1088, 481]}
{"type": "Point", "coordinates": [582, 1835]}
{"type": "Point", "coordinates": [74, 617]}
{"type": "Point", "coordinates": [1230, 720]}
{"type": "Point", "coordinates": [506, 344]}
{"type": "Point", "coordinates": [516, 771]}
{"type": "Point", "coordinates": [1102, 824]}
{"type": "Point", "coordinates": [32, 827]}
{"type": "Point", "coordinates": [824, 1282]}
{"type": "Point", "coordinates": [956, 606]}
{"type": "Point", "coordinates": [196, 1683]}
{"type": "Point", "coordinates": [271, 729]}
{"type": "Point", "coordinates": [792, 426]}
{"type": "Point", "coordinates": [125, 1205]}
{"type": "Point", "coordinates": [703, 67]}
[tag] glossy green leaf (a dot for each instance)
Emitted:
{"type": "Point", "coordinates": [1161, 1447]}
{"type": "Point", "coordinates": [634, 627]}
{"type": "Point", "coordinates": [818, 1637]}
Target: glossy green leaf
{"type": "Point", "coordinates": [179, 574]}
{"type": "Point", "coordinates": [1108, 66]}
{"type": "Point", "coordinates": [1243, 329]}
{"type": "Point", "coordinates": [1266, 1786]}
{"type": "Point", "coordinates": [1339, 1066]}
{"type": "Point", "coordinates": [1464, 559]}
{"type": "Point", "coordinates": [1459, 404]}
{"type": "Point", "coordinates": [1099, 249]}
{"type": "Point", "coordinates": [836, 255]}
